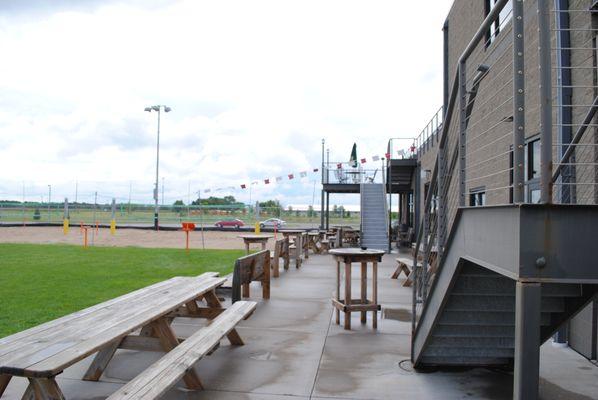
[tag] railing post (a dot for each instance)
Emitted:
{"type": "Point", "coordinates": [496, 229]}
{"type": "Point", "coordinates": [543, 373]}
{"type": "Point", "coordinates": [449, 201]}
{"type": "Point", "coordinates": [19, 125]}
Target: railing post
{"type": "Point", "coordinates": [462, 130]}
{"type": "Point", "coordinates": [441, 200]}
{"type": "Point", "coordinates": [545, 101]}
{"type": "Point", "coordinates": [518, 103]}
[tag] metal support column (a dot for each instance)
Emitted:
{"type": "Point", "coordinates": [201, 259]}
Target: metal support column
{"type": "Point", "coordinates": [462, 130]}
{"type": "Point", "coordinates": [518, 103]}
{"type": "Point", "coordinates": [528, 310]}
{"type": "Point", "coordinates": [545, 101]}
{"type": "Point", "coordinates": [327, 211]}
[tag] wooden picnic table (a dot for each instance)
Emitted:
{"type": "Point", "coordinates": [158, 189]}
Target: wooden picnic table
{"type": "Point", "coordinates": [42, 352]}
{"type": "Point", "coordinates": [296, 234]}
{"type": "Point", "coordinates": [348, 304]}
{"type": "Point", "coordinates": [250, 239]}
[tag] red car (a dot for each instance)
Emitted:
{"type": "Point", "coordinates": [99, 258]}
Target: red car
{"type": "Point", "coordinates": [235, 223]}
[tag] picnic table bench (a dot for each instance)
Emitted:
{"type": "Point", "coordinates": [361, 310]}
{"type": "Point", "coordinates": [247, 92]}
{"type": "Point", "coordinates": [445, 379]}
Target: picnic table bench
{"type": "Point", "coordinates": [281, 250]}
{"type": "Point", "coordinates": [42, 352]}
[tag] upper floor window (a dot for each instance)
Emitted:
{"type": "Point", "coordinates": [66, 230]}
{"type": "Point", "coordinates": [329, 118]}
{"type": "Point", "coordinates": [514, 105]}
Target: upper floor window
{"type": "Point", "coordinates": [503, 17]}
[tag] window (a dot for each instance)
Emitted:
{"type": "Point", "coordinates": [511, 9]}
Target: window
{"type": "Point", "coordinates": [531, 163]}
{"type": "Point", "coordinates": [477, 197]}
{"type": "Point", "coordinates": [503, 17]}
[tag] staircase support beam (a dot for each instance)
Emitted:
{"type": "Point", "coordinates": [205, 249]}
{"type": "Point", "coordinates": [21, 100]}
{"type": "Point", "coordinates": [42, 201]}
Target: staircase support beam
{"type": "Point", "coordinates": [528, 309]}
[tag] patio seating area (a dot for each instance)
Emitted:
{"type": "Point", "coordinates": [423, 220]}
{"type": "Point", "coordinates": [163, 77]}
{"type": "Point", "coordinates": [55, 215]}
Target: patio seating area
{"type": "Point", "coordinates": [294, 350]}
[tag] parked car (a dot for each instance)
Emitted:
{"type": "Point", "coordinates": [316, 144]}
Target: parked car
{"type": "Point", "coordinates": [235, 223]}
{"type": "Point", "coordinates": [271, 222]}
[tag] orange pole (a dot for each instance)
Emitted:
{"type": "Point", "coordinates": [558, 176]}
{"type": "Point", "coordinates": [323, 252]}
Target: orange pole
{"type": "Point", "coordinates": [187, 243]}
{"type": "Point", "coordinates": [97, 227]}
{"type": "Point", "coordinates": [85, 240]}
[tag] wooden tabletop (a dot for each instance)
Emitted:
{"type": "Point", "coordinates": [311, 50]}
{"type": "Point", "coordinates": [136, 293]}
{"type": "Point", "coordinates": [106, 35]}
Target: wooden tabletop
{"type": "Point", "coordinates": [47, 349]}
{"type": "Point", "coordinates": [292, 231]}
{"type": "Point", "coordinates": [356, 254]}
{"type": "Point", "coordinates": [255, 237]}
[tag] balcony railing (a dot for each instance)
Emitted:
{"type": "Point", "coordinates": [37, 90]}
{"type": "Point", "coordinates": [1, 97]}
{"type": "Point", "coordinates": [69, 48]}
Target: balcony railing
{"type": "Point", "coordinates": [349, 173]}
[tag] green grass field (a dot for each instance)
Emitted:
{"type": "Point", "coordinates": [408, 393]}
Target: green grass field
{"type": "Point", "coordinates": [39, 283]}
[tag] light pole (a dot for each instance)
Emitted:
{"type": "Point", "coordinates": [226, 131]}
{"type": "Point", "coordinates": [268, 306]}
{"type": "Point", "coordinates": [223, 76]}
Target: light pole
{"type": "Point", "coordinates": [157, 108]}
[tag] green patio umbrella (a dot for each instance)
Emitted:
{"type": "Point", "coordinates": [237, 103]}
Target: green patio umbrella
{"type": "Point", "coordinates": [353, 159]}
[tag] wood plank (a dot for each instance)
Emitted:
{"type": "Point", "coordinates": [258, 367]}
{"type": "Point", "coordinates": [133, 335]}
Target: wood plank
{"type": "Point", "coordinates": [162, 375]}
{"type": "Point", "coordinates": [233, 336]}
{"type": "Point", "coordinates": [100, 362]}
{"type": "Point", "coordinates": [347, 294]}
{"type": "Point", "coordinates": [43, 389]}
{"type": "Point", "coordinates": [364, 289]}
{"type": "Point", "coordinates": [99, 335]}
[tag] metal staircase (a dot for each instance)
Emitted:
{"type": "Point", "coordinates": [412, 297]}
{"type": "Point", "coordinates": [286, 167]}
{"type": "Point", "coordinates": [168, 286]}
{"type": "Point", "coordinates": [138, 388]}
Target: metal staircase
{"type": "Point", "coordinates": [493, 282]}
{"type": "Point", "coordinates": [374, 216]}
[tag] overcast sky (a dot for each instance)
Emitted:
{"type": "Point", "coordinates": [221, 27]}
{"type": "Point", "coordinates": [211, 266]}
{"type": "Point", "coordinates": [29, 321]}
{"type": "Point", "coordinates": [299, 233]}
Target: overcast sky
{"type": "Point", "coordinates": [254, 86]}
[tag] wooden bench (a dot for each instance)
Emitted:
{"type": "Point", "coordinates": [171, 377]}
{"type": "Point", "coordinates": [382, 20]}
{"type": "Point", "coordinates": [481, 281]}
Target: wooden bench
{"type": "Point", "coordinates": [253, 267]}
{"type": "Point", "coordinates": [281, 250]}
{"type": "Point", "coordinates": [403, 266]}
{"type": "Point", "coordinates": [325, 243]}
{"type": "Point", "coordinates": [42, 352]}
{"type": "Point", "coordinates": [166, 372]}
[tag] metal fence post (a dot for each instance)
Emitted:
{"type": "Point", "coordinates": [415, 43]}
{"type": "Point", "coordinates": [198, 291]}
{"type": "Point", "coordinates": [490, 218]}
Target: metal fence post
{"type": "Point", "coordinates": [545, 101]}
{"type": "Point", "coordinates": [462, 129]}
{"type": "Point", "coordinates": [518, 103]}
{"type": "Point", "coordinates": [441, 199]}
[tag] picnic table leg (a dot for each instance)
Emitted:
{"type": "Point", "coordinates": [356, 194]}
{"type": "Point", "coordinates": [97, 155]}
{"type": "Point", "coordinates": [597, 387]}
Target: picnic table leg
{"type": "Point", "coordinates": [247, 247]}
{"type": "Point", "coordinates": [100, 362]}
{"type": "Point", "coordinates": [364, 289]}
{"type": "Point", "coordinates": [263, 245]}
{"type": "Point", "coordinates": [169, 341]}
{"type": "Point", "coordinates": [276, 265]}
{"type": "Point", "coordinates": [43, 389]}
{"type": "Point", "coordinates": [348, 295]}
{"type": "Point", "coordinates": [375, 292]}
{"type": "Point", "coordinates": [4, 380]}
{"type": "Point", "coordinates": [233, 335]}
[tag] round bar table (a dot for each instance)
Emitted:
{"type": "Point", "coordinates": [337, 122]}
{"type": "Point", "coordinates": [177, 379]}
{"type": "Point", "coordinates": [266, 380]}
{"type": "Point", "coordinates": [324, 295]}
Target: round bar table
{"type": "Point", "coordinates": [296, 234]}
{"type": "Point", "coordinates": [249, 239]}
{"type": "Point", "coordinates": [348, 256]}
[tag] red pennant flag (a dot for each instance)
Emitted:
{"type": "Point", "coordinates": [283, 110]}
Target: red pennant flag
{"type": "Point", "coordinates": [266, 181]}
{"type": "Point", "coordinates": [291, 176]}
{"type": "Point", "coordinates": [363, 160]}
{"type": "Point", "coordinates": [243, 186]}
{"type": "Point", "coordinates": [339, 165]}
{"type": "Point", "coordinates": [387, 155]}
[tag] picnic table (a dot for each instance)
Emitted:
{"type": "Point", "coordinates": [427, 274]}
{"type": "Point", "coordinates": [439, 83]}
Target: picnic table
{"type": "Point", "coordinates": [250, 239]}
{"type": "Point", "coordinates": [348, 304]}
{"type": "Point", "coordinates": [138, 321]}
{"type": "Point", "coordinates": [296, 234]}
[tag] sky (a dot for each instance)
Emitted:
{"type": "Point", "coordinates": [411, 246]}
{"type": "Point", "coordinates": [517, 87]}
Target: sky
{"type": "Point", "coordinates": [254, 87]}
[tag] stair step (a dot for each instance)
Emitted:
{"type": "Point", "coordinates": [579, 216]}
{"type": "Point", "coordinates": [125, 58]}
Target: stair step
{"type": "Point", "coordinates": [498, 303]}
{"type": "Point", "coordinates": [482, 318]}
{"type": "Point", "coordinates": [474, 331]}
{"type": "Point", "coordinates": [473, 342]}
{"type": "Point", "coordinates": [483, 284]}
{"type": "Point", "coordinates": [458, 352]}
{"type": "Point", "coordinates": [462, 361]}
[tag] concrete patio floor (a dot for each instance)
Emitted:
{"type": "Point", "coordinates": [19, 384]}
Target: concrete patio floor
{"type": "Point", "coordinates": [294, 350]}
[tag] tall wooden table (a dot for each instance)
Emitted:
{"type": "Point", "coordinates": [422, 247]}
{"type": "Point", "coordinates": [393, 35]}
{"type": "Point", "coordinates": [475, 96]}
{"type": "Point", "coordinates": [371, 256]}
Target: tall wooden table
{"type": "Point", "coordinates": [250, 239]}
{"type": "Point", "coordinates": [296, 235]}
{"type": "Point", "coordinates": [348, 256]}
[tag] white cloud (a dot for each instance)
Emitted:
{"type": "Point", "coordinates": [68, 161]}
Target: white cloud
{"type": "Point", "coordinates": [254, 87]}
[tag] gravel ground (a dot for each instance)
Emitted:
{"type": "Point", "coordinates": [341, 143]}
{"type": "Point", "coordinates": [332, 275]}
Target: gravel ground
{"type": "Point", "coordinates": [124, 237]}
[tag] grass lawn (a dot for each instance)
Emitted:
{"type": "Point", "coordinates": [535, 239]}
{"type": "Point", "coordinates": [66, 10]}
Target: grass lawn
{"type": "Point", "coordinates": [39, 283]}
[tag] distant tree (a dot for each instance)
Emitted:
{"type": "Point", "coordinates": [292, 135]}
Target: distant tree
{"type": "Point", "coordinates": [36, 215]}
{"type": "Point", "coordinates": [177, 206]}
{"type": "Point", "coordinates": [218, 201]}
{"type": "Point", "coordinates": [272, 206]}
{"type": "Point", "coordinates": [341, 211]}
{"type": "Point", "coordinates": [310, 211]}
{"type": "Point", "coordinates": [335, 210]}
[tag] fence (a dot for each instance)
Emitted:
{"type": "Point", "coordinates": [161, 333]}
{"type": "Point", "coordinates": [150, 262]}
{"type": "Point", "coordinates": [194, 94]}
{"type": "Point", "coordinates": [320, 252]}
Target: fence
{"type": "Point", "coordinates": [507, 119]}
{"type": "Point", "coordinates": [142, 215]}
